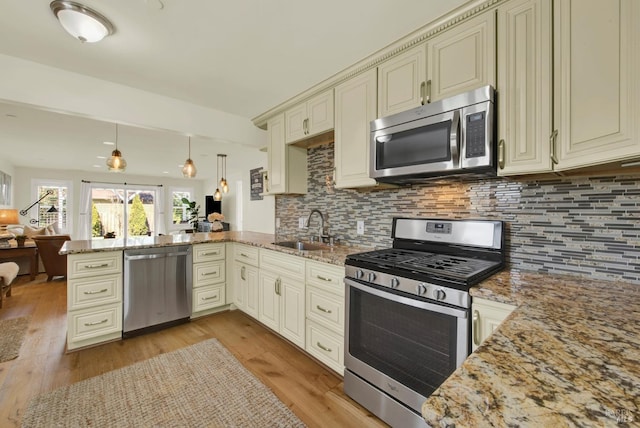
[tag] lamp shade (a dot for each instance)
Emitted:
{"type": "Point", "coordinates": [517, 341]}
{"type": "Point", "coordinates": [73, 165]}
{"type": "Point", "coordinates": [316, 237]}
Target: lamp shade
{"type": "Point", "coordinates": [83, 23]}
{"type": "Point", "coordinates": [9, 217]}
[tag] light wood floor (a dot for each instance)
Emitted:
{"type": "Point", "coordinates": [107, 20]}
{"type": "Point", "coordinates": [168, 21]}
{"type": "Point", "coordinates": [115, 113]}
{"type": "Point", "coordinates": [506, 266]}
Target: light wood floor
{"type": "Point", "coordinates": [312, 391]}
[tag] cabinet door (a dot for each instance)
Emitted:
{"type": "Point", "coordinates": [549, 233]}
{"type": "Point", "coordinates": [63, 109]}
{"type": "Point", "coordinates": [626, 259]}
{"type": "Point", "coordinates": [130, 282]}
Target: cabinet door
{"type": "Point", "coordinates": [269, 300]}
{"type": "Point", "coordinates": [487, 316]}
{"type": "Point", "coordinates": [596, 87]}
{"type": "Point", "coordinates": [240, 286]}
{"type": "Point", "coordinates": [524, 87]}
{"type": "Point", "coordinates": [355, 109]}
{"type": "Point", "coordinates": [462, 58]}
{"type": "Point", "coordinates": [277, 154]}
{"type": "Point", "coordinates": [401, 81]}
{"type": "Point", "coordinates": [320, 113]}
{"type": "Point", "coordinates": [251, 286]}
{"type": "Point", "coordinates": [292, 310]}
{"type": "Point", "coordinates": [295, 123]}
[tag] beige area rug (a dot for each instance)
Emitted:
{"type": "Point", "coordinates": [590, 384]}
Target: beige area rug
{"type": "Point", "coordinates": [202, 385]}
{"type": "Point", "coordinates": [12, 332]}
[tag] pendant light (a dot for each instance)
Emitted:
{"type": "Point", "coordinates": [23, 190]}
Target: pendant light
{"type": "Point", "coordinates": [217, 196]}
{"type": "Point", "coordinates": [81, 22]}
{"type": "Point", "coordinates": [116, 162]}
{"type": "Point", "coordinates": [189, 169]}
{"type": "Point", "coordinates": [223, 181]}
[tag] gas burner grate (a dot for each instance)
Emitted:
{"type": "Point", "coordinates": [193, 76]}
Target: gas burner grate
{"type": "Point", "coordinates": [447, 266]}
{"type": "Point", "coordinates": [389, 256]}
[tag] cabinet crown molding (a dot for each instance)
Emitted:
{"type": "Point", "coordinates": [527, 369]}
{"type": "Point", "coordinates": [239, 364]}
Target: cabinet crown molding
{"type": "Point", "coordinates": [454, 17]}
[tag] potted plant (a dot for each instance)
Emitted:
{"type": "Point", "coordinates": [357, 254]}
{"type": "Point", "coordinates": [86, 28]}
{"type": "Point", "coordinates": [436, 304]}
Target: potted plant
{"type": "Point", "coordinates": [20, 240]}
{"type": "Point", "coordinates": [192, 210]}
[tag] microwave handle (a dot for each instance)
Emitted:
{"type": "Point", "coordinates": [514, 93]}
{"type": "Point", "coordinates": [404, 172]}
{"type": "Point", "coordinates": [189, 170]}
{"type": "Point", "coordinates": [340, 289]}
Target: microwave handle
{"type": "Point", "coordinates": [455, 136]}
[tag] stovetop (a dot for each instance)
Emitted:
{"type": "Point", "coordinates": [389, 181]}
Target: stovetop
{"type": "Point", "coordinates": [426, 266]}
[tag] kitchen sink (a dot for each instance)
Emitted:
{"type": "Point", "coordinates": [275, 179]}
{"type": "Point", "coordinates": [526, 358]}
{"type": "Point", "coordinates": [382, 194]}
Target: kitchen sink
{"type": "Point", "coordinates": [302, 246]}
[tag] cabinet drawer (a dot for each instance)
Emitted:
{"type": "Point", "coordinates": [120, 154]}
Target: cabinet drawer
{"type": "Point", "coordinates": [326, 309]}
{"type": "Point", "coordinates": [325, 276]}
{"type": "Point", "coordinates": [208, 252]}
{"type": "Point", "coordinates": [246, 254]}
{"type": "Point", "coordinates": [280, 263]}
{"type": "Point", "coordinates": [208, 297]}
{"type": "Point", "coordinates": [326, 346]}
{"type": "Point", "coordinates": [94, 322]}
{"type": "Point", "coordinates": [208, 273]}
{"type": "Point", "coordinates": [87, 292]}
{"type": "Point", "coordinates": [94, 264]}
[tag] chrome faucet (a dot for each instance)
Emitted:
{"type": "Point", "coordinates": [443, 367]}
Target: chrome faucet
{"type": "Point", "coordinates": [321, 232]}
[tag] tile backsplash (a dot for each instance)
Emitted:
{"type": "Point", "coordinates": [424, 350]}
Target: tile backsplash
{"type": "Point", "coordinates": [584, 226]}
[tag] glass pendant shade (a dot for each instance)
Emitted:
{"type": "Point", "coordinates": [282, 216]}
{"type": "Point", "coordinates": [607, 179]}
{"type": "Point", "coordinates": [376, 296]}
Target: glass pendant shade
{"type": "Point", "coordinates": [189, 168]}
{"type": "Point", "coordinates": [217, 196]}
{"type": "Point", "coordinates": [81, 22]}
{"type": "Point", "coordinates": [116, 162]}
{"type": "Point", "coordinates": [223, 167]}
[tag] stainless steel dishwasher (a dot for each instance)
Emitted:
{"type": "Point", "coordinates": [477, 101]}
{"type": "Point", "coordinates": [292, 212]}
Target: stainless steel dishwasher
{"type": "Point", "coordinates": [157, 288]}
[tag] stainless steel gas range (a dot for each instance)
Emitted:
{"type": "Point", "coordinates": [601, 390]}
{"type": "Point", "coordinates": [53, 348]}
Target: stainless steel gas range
{"type": "Point", "coordinates": [407, 311]}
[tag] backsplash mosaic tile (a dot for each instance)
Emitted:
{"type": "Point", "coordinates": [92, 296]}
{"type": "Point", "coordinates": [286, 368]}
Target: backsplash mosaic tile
{"type": "Point", "coordinates": [583, 226]}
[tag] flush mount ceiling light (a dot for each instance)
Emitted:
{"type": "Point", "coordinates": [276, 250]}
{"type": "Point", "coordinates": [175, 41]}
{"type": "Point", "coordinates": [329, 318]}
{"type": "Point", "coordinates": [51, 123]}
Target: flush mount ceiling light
{"type": "Point", "coordinates": [189, 169]}
{"type": "Point", "coordinates": [83, 23]}
{"type": "Point", "coordinates": [116, 162]}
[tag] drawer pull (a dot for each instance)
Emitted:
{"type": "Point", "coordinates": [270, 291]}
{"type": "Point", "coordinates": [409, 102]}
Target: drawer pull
{"type": "Point", "coordinates": [326, 311]}
{"type": "Point", "coordinates": [322, 278]}
{"type": "Point", "coordinates": [104, 290]}
{"type": "Point", "coordinates": [89, 324]}
{"type": "Point", "coordinates": [96, 266]}
{"type": "Point", "coordinates": [211, 253]}
{"type": "Point", "coordinates": [324, 348]}
{"type": "Point", "coordinates": [210, 297]}
{"type": "Point", "coordinates": [215, 272]}
{"type": "Point", "coordinates": [244, 255]}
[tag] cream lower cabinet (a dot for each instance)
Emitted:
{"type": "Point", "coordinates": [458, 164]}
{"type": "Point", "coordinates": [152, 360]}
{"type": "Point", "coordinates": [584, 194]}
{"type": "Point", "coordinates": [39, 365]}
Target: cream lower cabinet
{"type": "Point", "coordinates": [524, 87]}
{"type": "Point", "coordinates": [325, 313]}
{"type": "Point", "coordinates": [596, 82]}
{"type": "Point", "coordinates": [245, 278]}
{"type": "Point", "coordinates": [94, 298]}
{"type": "Point", "coordinates": [281, 294]}
{"type": "Point", "coordinates": [487, 316]}
{"type": "Point", "coordinates": [356, 107]}
{"type": "Point", "coordinates": [209, 276]}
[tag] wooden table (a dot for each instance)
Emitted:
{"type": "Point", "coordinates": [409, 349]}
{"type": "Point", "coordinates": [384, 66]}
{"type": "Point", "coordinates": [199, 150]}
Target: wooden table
{"type": "Point", "coordinates": [29, 250]}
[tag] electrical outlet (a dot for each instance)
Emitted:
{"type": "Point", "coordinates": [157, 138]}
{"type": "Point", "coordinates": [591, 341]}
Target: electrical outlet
{"type": "Point", "coordinates": [360, 227]}
{"type": "Point", "coordinates": [301, 223]}
{"type": "Point", "coordinates": [278, 223]}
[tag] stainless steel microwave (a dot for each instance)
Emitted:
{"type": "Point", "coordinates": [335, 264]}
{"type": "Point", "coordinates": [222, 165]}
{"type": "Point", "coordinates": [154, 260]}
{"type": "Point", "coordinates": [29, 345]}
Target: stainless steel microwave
{"type": "Point", "coordinates": [455, 135]}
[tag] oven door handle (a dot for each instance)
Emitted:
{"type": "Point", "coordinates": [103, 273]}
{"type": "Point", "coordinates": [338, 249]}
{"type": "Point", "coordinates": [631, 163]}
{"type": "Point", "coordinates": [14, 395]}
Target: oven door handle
{"type": "Point", "coordinates": [446, 310]}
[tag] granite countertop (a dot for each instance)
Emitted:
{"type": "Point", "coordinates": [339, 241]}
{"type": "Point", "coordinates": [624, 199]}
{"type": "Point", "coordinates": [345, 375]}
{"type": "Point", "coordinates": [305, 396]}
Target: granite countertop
{"type": "Point", "coordinates": [568, 356]}
{"type": "Point", "coordinates": [333, 255]}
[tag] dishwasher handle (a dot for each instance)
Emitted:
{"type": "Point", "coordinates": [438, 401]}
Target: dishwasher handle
{"type": "Point", "coordinates": [145, 256]}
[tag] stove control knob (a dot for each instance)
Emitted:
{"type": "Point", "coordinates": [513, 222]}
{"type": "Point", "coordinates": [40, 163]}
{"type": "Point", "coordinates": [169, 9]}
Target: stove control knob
{"type": "Point", "coordinates": [395, 282]}
{"type": "Point", "coordinates": [440, 294]}
{"type": "Point", "coordinates": [372, 276]}
{"type": "Point", "coordinates": [359, 274]}
{"type": "Point", "coordinates": [421, 289]}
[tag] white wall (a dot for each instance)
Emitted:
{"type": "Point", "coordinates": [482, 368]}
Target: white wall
{"type": "Point", "coordinates": [8, 168]}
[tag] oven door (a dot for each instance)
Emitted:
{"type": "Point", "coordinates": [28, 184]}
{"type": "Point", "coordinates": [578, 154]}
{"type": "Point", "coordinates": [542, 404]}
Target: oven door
{"type": "Point", "coordinates": [422, 146]}
{"type": "Point", "coordinates": [402, 346]}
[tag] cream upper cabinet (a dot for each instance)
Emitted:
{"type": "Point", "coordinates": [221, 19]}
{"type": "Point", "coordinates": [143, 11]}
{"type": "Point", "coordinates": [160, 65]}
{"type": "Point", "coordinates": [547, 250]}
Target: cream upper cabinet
{"type": "Point", "coordinates": [401, 81]}
{"type": "Point", "coordinates": [596, 82]}
{"type": "Point", "coordinates": [487, 316]}
{"type": "Point", "coordinates": [310, 118]}
{"type": "Point", "coordinates": [462, 58]}
{"type": "Point", "coordinates": [287, 164]}
{"type": "Point", "coordinates": [356, 107]}
{"type": "Point", "coordinates": [524, 88]}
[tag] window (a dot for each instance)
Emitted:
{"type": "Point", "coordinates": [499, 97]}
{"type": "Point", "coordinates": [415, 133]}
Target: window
{"type": "Point", "coordinates": [54, 205]}
{"type": "Point", "coordinates": [179, 214]}
{"type": "Point", "coordinates": [123, 212]}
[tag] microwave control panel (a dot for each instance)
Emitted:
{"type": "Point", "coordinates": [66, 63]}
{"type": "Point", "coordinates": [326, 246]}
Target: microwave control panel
{"type": "Point", "coordinates": [475, 138]}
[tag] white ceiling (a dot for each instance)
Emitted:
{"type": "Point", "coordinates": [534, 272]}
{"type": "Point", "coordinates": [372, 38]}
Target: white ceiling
{"type": "Point", "coordinates": [241, 57]}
